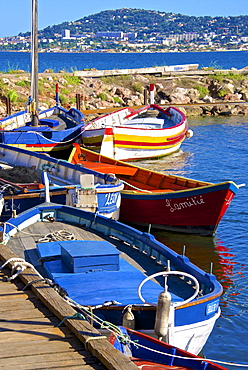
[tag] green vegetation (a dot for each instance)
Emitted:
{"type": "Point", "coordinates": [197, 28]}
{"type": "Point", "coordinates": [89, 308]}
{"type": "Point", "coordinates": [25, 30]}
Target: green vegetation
{"type": "Point", "coordinates": [72, 80]}
{"type": "Point", "coordinates": [219, 76]}
{"type": "Point", "coordinates": [202, 90]}
{"type": "Point", "coordinates": [137, 87]}
{"type": "Point", "coordinates": [12, 94]}
{"type": "Point", "coordinates": [108, 80]}
{"type": "Point", "coordinates": [102, 96]}
{"type": "Point", "coordinates": [221, 93]}
{"type": "Point", "coordinates": [62, 99]}
{"type": "Point", "coordinates": [118, 100]}
{"type": "Point", "coordinates": [22, 83]}
{"type": "Point", "coordinates": [65, 91]}
{"type": "Point", "coordinates": [72, 101]}
{"type": "Point", "coordinates": [148, 22]}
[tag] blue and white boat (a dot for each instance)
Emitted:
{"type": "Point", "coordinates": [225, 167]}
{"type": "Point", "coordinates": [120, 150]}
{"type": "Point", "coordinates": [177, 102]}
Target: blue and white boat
{"type": "Point", "coordinates": [60, 182]}
{"type": "Point", "coordinates": [119, 274]}
{"type": "Point", "coordinates": [56, 130]}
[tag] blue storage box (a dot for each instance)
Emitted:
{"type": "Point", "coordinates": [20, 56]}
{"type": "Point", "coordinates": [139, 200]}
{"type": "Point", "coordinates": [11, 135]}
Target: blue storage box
{"type": "Point", "coordinates": [89, 255]}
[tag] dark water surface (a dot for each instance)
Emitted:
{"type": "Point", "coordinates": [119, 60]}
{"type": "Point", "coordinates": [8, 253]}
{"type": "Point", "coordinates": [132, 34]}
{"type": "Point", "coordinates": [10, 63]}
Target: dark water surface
{"type": "Point", "coordinates": [218, 152]}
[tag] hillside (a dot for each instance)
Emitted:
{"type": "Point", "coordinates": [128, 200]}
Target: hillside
{"type": "Point", "coordinates": [150, 22]}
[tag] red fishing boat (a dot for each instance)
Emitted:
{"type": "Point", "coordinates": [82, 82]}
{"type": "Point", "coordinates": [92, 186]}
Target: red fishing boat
{"type": "Point", "coordinates": [149, 353]}
{"type": "Point", "coordinates": [158, 200]}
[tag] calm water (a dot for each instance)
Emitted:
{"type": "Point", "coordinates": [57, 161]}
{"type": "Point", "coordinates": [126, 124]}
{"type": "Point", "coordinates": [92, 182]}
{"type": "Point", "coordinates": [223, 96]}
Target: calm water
{"type": "Point", "coordinates": [78, 61]}
{"type": "Point", "coordinates": [217, 152]}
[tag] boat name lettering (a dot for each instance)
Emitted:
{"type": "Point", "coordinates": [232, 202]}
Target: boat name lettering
{"type": "Point", "coordinates": [193, 201]}
{"type": "Point", "coordinates": [212, 307]}
{"type": "Point", "coordinates": [8, 208]}
{"type": "Point", "coordinates": [111, 198]}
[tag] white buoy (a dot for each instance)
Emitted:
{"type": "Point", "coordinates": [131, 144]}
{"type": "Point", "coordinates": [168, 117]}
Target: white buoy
{"type": "Point", "coordinates": [189, 134]}
{"type": "Point", "coordinates": [128, 318]}
{"type": "Point", "coordinates": [162, 314]}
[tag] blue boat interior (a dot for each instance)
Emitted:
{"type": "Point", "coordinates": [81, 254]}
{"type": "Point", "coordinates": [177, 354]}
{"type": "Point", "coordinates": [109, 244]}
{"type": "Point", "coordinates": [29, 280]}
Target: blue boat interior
{"type": "Point", "coordinates": [93, 272]}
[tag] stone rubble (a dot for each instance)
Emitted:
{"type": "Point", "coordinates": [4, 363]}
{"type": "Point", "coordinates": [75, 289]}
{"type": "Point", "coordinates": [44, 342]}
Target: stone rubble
{"type": "Point", "coordinates": [199, 96]}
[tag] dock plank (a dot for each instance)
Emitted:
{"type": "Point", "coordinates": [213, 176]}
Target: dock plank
{"type": "Point", "coordinates": [34, 340]}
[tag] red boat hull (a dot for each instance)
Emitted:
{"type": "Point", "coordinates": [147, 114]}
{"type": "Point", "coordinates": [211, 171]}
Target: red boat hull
{"type": "Point", "coordinates": [198, 212]}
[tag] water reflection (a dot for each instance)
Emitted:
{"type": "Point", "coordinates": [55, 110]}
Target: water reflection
{"type": "Point", "coordinates": [202, 251]}
{"type": "Point", "coordinates": [173, 164]}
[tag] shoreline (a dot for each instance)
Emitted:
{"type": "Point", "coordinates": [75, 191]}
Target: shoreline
{"type": "Point", "coordinates": [212, 93]}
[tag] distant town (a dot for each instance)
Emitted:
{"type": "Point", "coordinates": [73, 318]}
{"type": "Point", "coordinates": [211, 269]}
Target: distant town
{"type": "Point", "coordinates": [135, 30]}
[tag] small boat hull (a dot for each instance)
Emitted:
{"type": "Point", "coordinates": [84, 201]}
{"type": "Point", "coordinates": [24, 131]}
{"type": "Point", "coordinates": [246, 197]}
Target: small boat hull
{"type": "Point", "coordinates": [149, 353]}
{"type": "Point", "coordinates": [51, 135]}
{"type": "Point", "coordinates": [157, 200]}
{"type": "Point", "coordinates": [197, 211]}
{"type": "Point", "coordinates": [105, 273]}
{"type": "Point", "coordinates": [69, 184]}
{"type": "Point", "coordinates": [122, 135]}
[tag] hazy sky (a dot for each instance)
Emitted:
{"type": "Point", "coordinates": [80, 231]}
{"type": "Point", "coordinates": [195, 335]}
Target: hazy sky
{"type": "Point", "coordinates": [15, 14]}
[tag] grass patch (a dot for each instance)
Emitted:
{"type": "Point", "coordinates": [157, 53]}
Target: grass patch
{"type": "Point", "coordinates": [222, 93]}
{"type": "Point", "coordinates": [102, 96]}
{"type": "Point", "coordinates": [62, 99]}
{"type": "Point", "coordinates": [12, 95]}
{"type": "Point", "coordinates": [118, 100]}
{"type": "Point", "coordinates": [22, 83]}
{"type": "Point", "coordinates": [219, 77]}
{"type": "Point", "coordinates": [72, 80]}
{"type": "Point", "coordinates": [137, 87]}
{"type": "Point", "coordinates": [202, 90]}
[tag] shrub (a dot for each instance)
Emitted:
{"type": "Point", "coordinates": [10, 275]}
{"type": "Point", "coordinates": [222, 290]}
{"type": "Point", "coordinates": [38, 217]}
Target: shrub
{"type": "Point", "coordinates": [221, 93]}
{"type": "Point", "coordinates": [137, 87]}
{"type": "Point", "coordinates": [62, 99]}
{"type": "Point", "coordinates": [118, 100]}
{"type": "Point", "coordinates": [22, 83]}
{"type": "Point", "coordinates": [12, 94]}
{"type": "Point", "coordinates": [102, 96]}
{"type": "Point", "coordinates": [202, 90]}
{"type": "Point", "coordinates": [108, 79]}
{"type": "Point", "coordinates": [72, 80]}
{"type": "Point", "coordinates": [65, 91]}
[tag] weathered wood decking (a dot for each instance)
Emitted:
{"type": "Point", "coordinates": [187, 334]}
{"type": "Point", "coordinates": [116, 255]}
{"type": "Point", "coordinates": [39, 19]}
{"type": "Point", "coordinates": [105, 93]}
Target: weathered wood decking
{"type": "Point", "coordinates": [30, 338]}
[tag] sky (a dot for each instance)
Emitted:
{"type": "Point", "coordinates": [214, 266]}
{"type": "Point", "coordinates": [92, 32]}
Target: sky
{"type": "Point", "coordinates": [15, 14]}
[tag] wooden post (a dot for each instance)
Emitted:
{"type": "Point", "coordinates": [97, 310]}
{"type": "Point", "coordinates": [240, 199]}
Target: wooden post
{"type": "Point", "coordinates": [8, 107]}
{"type": "Point", "coordinates": [78, 101]}
{"type": "Point", "coordinates": [145, 97]}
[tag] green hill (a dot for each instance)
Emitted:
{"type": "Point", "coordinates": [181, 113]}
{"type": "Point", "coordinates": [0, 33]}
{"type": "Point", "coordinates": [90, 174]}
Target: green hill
{"type": "Point", "coordinates": [150, 22]}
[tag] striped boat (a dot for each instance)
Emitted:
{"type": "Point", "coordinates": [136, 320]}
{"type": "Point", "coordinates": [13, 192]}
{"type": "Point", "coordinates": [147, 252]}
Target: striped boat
{"type": "Point", "coordinates": [128, 134]}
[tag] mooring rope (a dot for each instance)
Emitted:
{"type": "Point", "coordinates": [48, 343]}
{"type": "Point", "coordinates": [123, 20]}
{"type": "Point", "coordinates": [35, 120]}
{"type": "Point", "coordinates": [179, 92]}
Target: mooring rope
{"type": "Point", "coordinates": [19, 265]}
{"type": "Point", "coordinates": [132, 186]}
{"type": "Point", "coordinates": [52, 141]}
{"type": "Point", "coordinates": [117, 332]}
{"type": "Point", "coordinates": [59, 235]}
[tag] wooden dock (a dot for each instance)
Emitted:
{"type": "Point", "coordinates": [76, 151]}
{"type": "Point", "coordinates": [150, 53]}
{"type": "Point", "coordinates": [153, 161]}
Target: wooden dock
{"type": "Point", "coordinates": [29, 334]}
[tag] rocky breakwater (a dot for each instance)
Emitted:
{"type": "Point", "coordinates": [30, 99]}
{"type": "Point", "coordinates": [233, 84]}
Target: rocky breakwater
{"type": "Point", "coordinates": [218, 93]}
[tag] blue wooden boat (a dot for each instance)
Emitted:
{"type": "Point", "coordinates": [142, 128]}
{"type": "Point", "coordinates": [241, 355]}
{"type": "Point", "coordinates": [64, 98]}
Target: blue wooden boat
{"type": "Point", "coordinates": [149, 353]}
{"type": "Point", "coordinates": [120, 274]}
{"type": "Point", "coordinates": [56, 130]}
{"type": "Point", "coordinates": [49, 130]}
{"type": "Point", "coordinates": [65, 183]}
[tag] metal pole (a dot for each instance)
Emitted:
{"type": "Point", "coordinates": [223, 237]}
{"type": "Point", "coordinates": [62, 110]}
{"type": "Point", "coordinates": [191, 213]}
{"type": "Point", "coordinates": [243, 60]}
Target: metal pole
{"type": "Point", "coordinates": [34, 62]}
